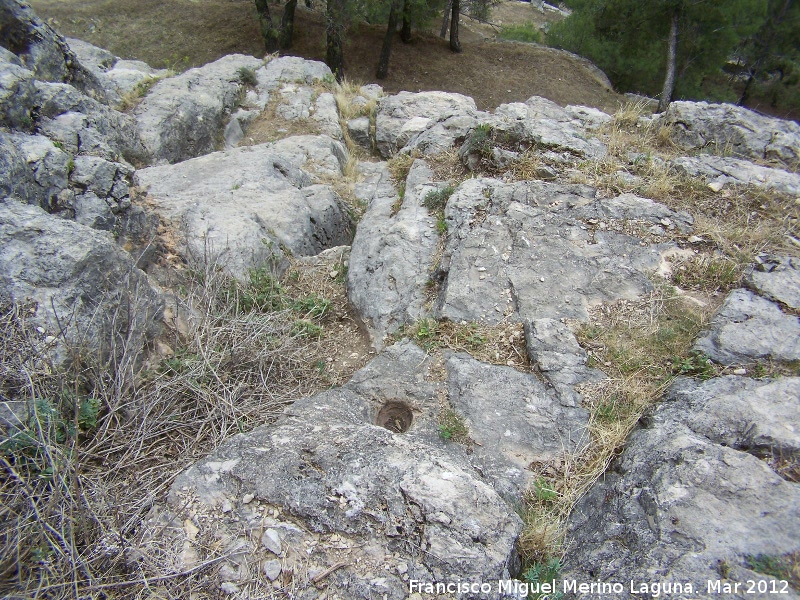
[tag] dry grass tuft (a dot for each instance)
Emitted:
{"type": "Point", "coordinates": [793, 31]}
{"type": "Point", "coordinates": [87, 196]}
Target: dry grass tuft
{"type": "Point", "coordinates": [641, 346]}
{"type": "Point", "coordinates": [101, 445]}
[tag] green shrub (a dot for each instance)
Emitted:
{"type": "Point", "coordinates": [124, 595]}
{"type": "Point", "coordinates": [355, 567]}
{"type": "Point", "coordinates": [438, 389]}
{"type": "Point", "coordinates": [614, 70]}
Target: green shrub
{"type": "Point", "coordinates": [522, 32]}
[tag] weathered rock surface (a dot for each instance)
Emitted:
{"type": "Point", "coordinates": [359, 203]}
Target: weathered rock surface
{"type": "Point", "coordinates": [404, 117]}
{"type": "Point", "coordinates": [183, 117]}
{"type": "Point", "coordinates": [733, 129]}
{"type": "Point", "coordinates": [246, 207]}
{"type": "Point", "coordinates": [83, 125]}
{"type": "Point", "coordinates": [725, 170]}
{"type": "Point", "coordinates": [380, 492]}
{"type": "Point", "coordinates": [688, 502]}
{"type": "Point", "coordinates": [40, 49]}
{"type": "Point", "coordinates": [116, 77]}
{"type": "Point", "coordinates": [87, 291]}
{"type": "Point", "coordinates": [515, 420]}
{"type": "Point", "coordinates": [777, 278]}
{"type": "Point", "coordinates": [523, 250]}
{"type": "Point", "coordinates": [750, 328]}
{"type": "Point", "coordinates": [33, 170]}
{"type": "Point", "coordinates": [390, 262]}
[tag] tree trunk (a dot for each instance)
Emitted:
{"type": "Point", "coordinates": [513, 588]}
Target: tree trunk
{"type": "Point", "coordinates": [287, 25]}
{"type": "Point", "coordinates": [455, 45]}
{"type": "Point", "coordinates": [333, 37]}
{"type": "Point", "coordinates": [446, 19]}
{"type": "Point", "coordinates": [268, 31]}
{"type": "Point", "coordinates": [391, 29]}
{"type": "Point", "coordinates": [669, 80]}
{"type": "Point", "coordinates": [405, 32]}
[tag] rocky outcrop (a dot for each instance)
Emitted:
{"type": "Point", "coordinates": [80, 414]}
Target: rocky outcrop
{"type": "Point", "coordinates": [251, 206]}
{"type": "Point", "coordinates": [117, 78]}
{"type": "Point", "coordinates": [393, 253]}
{"type": "Point", "coordinates": [86, 292]}
{"type": "Point", "coordinates": [396, 490]}
{"type": "Point", "coordinates": [726, 128]}
{"type": "Point", "coordinates": [528, 249]}
{"type": "Point", "coordinates": [720, 170]}
{"type": "Point", "coordinates": [702, 489]}
{"type": "Point", "coordinates": [750, 328]}
{"type": "Point", "coordinates": [183, 117]}
{"type": "Point", "coordinates": [691, 497]}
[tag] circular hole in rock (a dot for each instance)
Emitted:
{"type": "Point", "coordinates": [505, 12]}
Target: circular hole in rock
{"type": "Point", "coordinates": [395, 416]}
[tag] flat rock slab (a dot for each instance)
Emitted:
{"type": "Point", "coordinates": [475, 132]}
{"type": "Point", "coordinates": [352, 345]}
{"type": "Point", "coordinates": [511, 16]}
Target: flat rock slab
{"type": "Point", "coordinates": [525, 251]}
{"type": "Point", "coordinates": [86, 290]}
{"type": "Point", "coordinates": [732, 129]}
{"type": "Point", "coordinates": [750, 328]}
{"type": "Point", "coordinates": [726, 170]}
{"type": "Point", "coordinates": [691, 498]}
{"type": "Point", "coordinates": [248, 206]}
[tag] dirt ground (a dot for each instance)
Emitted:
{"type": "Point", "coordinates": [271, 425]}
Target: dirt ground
{"type": "Point", "coordinates": [183, 33]}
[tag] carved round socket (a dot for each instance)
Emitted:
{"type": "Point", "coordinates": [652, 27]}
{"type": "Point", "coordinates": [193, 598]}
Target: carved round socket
{"type": "Point", "coordinates": [395, 416]}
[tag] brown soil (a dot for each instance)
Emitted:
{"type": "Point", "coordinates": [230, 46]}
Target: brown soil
{"type": "Point", "coordinates": [183, 33]}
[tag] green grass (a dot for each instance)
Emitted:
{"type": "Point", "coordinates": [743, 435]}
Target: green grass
{"type": "Point", "coordinates": [523, 32]}
{"type": "Point", "coordinates": [452, 426]}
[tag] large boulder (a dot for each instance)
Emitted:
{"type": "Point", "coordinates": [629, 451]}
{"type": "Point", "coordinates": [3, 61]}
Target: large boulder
{"type": "Point", "coordinates": [730, 129]}
{"type": "Point", "coordinates": [695, 496]}
{"type": "Point", "coordinates": [184, 116]}
{"type": "Point", "coordinates": [86, 292]}
{"type": "Point", "coordinates": [249, 206]}
{"type": "Point", "coordinates": [404, 117]}
{"type": "Point", "coordinates": [17, 92]}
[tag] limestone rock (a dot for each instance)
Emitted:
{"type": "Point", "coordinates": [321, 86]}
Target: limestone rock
{"type": "Point", "coordinates": [32, 170]}
{"type": "Point", "coordinates": [184, 116]}
{"type": "Point", "coordinates": [327, 463]}
{"type": "Point", "coordinates": [729, 128]}
{"type": "Point", "coordinates": [522, 250]}
{"type": "Point", "coordinates": [17, 93]}
{"type": "Point", "coordinates": [721, 170]}
{"type": "Point", "coordinates": [777, 278]}
{"type": "Point", "coordinates": [750, 328]}
{"type": "Point", "coordinates": [358, 129]}
{"type": "Point", "coordinates": [245, 206]}
{"type": "Point", "coordinates": [392, 251]}
{"type": "Point", "coordinates": [83, 125]}
{"type": "Point", "coordinates": [403, 117]}
{"type": "Point", "coordinates": [515, 420]}
{"type": "Point", "coordinates": [688, 501]}
{"type": "Point", "coordinates": [115, 76]}
{"type": "Point", "coordinates": [85, 287]}
{"type": "Point", "coordinates": [39, 48]}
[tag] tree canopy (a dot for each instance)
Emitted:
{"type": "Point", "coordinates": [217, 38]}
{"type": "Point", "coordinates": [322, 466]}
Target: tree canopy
{"type": "Point", "coordinates": [630, 39]}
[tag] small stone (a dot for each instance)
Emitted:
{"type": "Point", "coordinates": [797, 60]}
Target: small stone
{"type": "Point", "coordinates": [333, 274]}
{"type": "Point", "coordinates": [695, 239]}
{"type": "Point", "coordinates": [541, 279]}
{"type": "Point", "coordinates": [402, 568]}
{"type": "Point", "coordinates": [740, 371]}
{"type": "Point", "coordinates": [229, 588]}
{"type": "Point", "coordinates": [227, 506]}
{"type": "Point", "coordinates": [272, 569]}
{"type": "Point", "coordinates": [271, 540]}
{"type": "Point", "coordinates": [247, 498]}
{"type": "Point", "coordinates": [716, 186]}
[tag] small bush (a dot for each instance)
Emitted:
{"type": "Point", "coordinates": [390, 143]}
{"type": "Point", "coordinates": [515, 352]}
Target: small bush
{"type": "Point", "coordinates": [435, 201]}
{"type": "Point", "coordinates": [523, 32]}
{"type": "Point", "coordinates": [452, 426]}
{"type": "Point", "coordinates": [247, 76]}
